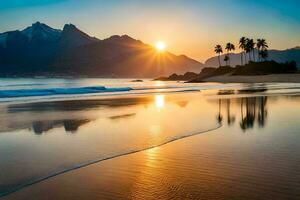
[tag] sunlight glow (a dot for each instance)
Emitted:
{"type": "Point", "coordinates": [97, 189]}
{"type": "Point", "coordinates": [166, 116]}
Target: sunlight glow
{"type": "Point", "coordinates": [159, 83]}
{"type": "Point", "coordinates": [159, 101]}
{"type": "Point", "coordinates": [160, 46]}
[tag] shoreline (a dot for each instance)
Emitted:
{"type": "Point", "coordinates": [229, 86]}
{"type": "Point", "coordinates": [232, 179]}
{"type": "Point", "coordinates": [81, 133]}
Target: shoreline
{"type": "Point", "coordinates": [98, 161]}
{"type": "Point", "coordinates": [184, 168]}
{"type": "Point", "coordinates": [271, 78]}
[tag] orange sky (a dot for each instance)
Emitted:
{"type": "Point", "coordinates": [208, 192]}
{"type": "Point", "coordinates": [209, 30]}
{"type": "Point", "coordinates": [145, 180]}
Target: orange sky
{"type": "Point", "coordinates": [188, 27]}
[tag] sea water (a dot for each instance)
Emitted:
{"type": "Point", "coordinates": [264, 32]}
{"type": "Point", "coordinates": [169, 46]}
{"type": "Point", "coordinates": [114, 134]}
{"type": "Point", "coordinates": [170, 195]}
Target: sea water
{"type": "Point", "coordinates": [44, 134]}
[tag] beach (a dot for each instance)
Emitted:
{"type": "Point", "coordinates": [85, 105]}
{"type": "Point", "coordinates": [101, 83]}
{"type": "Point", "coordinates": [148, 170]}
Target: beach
{"type": "Point", "coordinates": [228, 141]}
{"type": "Point", "coordinates": [149, 100]}
{"type": "Point", "coordinates": [272, 78]}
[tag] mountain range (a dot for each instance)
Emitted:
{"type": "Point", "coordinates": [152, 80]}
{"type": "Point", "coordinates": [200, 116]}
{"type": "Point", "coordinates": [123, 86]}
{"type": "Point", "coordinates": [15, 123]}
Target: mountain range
{"type": "Point", "coordinates": [40, 50]}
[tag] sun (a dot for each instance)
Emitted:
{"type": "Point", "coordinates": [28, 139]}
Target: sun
{"type": "Point", "coordinates": [160, 46]}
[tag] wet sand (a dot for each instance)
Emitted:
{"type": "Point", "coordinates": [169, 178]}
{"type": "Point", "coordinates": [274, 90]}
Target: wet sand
{"type": "Point", "coordinates": [196, 168]}
{"type": "Point", "coordinates": [279, 78]}
{"type": "Point", "coordinates": [254, 155]}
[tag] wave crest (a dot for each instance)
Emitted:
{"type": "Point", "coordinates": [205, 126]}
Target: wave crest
{"type": "Point", "coordinates": [59, 91]}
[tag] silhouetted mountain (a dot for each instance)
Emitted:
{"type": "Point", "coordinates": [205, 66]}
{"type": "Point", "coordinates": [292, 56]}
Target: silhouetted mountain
{"type": "Point", "coordinates": [73, 37]}
{"type": "Point", "coordinates": [27, 50]}
{"type": "Point", "coordinates": [39, 32]}
{"type": "Point", "coordinates": [123, 56]}
{"type": "Point", "coordinates": [42, 50]}
{"type": "Point", "coordinates": [280, 56]}
{"type": "Point", "coordinates": [175, 77]}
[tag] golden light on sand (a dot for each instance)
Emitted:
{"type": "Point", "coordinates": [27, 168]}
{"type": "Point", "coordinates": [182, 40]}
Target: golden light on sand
{"type": "Point", "coordinates": [160, 46]}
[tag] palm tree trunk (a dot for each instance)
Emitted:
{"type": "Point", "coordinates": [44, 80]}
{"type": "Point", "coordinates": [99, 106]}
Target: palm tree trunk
{"type": "Point", "coordinates": [228, 58]}
{"type": "Point", "coordinates": [253, 55]}
{"type": "Point", "coordinates": [219, 61]}
{"type": "Point", "coordinates": [249, 54]}
{"type": "Point", "coordinates": [242, 58]}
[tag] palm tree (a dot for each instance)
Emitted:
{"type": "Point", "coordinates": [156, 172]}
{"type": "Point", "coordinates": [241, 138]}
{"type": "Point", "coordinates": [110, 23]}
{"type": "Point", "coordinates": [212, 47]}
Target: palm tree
{"type": "Point", "coordinates": [261, 43]}
{"type": "Point", "coordinates": [258, 46]}
{"type": "Point", "coordinates": [229, 47]}
{"type": "Point", "coordinates": [263, 54]}
{"type": "Point", "coordinates": [250, 44]}
{"type": "Point", "coordinates": [226, 59]}
{"type": "Point", "coordinates": [219, 50]}
{"type": "Point", "coordinates": [253, 49]}
{"type": "Point", "coordinates": [247, 50]}
{"type": "Point", "coordinates": [242, 45]}
{"type": "Point", "coordinates": [261, 46]}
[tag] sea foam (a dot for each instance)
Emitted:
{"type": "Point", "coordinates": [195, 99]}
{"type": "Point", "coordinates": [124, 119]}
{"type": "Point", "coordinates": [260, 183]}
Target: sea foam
{"type": "Point", "coordinates": [59, 91]}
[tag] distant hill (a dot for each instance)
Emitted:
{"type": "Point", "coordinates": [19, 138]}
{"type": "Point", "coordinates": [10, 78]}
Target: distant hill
{"type": "Point", "coordinates": [250, 69]}
{"type": "Point", "coordinates": [40, 50]}
{"type": "Point", "coordinates": [280, 56]}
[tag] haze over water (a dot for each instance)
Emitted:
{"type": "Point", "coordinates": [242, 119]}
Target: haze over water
{"type": "Point", "coordinates": [238, 141]}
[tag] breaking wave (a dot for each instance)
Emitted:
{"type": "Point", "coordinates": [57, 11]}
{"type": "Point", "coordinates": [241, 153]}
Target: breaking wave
{"type": "Point", "coordinates": [59, 91]}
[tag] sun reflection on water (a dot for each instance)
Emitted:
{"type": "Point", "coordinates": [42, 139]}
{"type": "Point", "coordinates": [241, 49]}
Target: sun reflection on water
{"type": "Point", "coordinates": [159, 102]}
{"type": "Point", "coordinates": [159, 83]}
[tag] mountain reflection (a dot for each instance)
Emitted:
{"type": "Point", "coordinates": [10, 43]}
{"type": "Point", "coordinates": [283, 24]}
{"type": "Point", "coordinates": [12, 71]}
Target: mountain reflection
{"type": "Point", "coordinates": [41, 117]}
{"type": "Point", "coordinates": [252, 110]}
{"type": "Point", "coordinates": [117, 117]}
{"type": "Point", "coordinates": [72, 126]}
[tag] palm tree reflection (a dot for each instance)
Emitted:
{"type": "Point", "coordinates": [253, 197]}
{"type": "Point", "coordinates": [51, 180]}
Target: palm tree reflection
{"type": "Point", "coordinates": [230, 118]}
{"type": "Point", "coordinates": [262, 112]}
{"type": "Point", "coordinates": [252, 110]}
{"type": "Point", "coordinates": [220, 117]}
{"type": "Point", "coordinates": [248, 117]}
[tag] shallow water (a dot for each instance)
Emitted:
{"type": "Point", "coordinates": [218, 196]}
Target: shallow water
{"type": "Point", "coordinates": [41, 139]}
{"type": "Point", "coordinates": [20, 90]}
{"type": "Point", "coordinates": [53, 137]}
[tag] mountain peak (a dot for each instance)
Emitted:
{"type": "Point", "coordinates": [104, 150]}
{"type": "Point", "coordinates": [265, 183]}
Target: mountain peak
{"type": "Point", "coordinates": [36, 23]}
{"type": "Point", "coordinates": [125, 39]}
{"type": "Point", "coordinates": [70, 27]}
{"type": "Point", "coordinates": [71, 36]}
{"type": "Point", "coordinates": [119, 37]}
{"type": "Point", "coordinates": [70, 51]}
{"type": "Point", "coordinates": [41, 31]}
{"type": "Point", "coordinates": [39, 25]}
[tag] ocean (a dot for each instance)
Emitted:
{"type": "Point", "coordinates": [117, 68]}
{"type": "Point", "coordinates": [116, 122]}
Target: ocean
{"type": "Point", "coordinates": [51, 127]}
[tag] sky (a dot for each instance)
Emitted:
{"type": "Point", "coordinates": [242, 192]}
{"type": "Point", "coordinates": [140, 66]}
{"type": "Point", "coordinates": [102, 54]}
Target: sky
{"type": "Point", "coordinates": [189, 27]}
